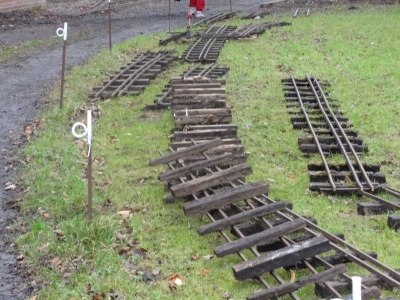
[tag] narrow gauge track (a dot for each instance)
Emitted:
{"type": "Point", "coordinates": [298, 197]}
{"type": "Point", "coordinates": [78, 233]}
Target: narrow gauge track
{"type": "Point", "coordinates": [163, 99]}
{"type": "Point", "coordinates": [134, 77]}
{"type": "Point", "coordinates": [215, 18]}
{"type": "Point", "coordinates": [328, 131]}
{"type": "Point", "coordinates": [206, 50]}
{"type": "Point", "coordinates": [207, 46]}
{"type": "Point", "coordinates": [207, 167]}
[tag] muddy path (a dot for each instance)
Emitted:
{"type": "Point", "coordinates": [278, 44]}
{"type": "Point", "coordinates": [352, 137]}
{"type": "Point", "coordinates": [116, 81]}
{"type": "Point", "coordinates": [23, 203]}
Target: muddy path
{"type": "Point", "coordinates": [25, 79]}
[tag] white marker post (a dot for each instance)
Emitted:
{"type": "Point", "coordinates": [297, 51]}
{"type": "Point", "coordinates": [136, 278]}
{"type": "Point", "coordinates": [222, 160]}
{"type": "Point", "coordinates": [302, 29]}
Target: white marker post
{"type": "Point", "coordinates": [356, 287]}
{"type": "Point", "coordinates": [62, 32]}
{"type": "Point", "coordinates": [87, 131]}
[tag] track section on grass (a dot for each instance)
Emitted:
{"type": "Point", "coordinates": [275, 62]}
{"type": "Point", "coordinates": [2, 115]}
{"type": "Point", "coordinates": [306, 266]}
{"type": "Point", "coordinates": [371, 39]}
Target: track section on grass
{"type": "Point", "coordinates": [134, 77]}
{"type": "Point", "coordinates": [215, 18]}
{"type": "Point", "coordinates": [207, 168]}
{"type": "Point", "coordinates": [328, 131]}
{"type": "Point", "coordinates": [207, 46]}
{"type": "Point", "coordinates": [213, 71]}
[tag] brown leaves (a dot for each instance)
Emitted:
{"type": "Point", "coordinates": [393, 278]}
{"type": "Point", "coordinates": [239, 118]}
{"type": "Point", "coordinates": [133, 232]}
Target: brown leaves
{"type": "Point", "coordinates": [113, 139]}
{"type": "Point", "coordinates": [194, 256]}
{"type": "Point", "coordinates": [203, 272]}
{"type": "Point", "coordinates": [175, 280]}
{"type": "Point", "coordinates": [292, 276]}
{"type": "Point", "coordinates": [31, 129]}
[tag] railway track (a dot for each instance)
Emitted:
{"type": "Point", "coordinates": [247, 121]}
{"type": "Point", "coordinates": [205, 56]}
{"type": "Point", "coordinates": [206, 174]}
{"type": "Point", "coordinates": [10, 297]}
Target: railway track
{"type": "Point", "coordinates": [207, 167]}
{"type": "Point", "coordinates": [328, 131]}
{"type": "Point", "coordinates": [212, 71]}
{"type": "Point", "coordinates": [134, 77]}
{"type": "Point", "coordinates": [207, 46]}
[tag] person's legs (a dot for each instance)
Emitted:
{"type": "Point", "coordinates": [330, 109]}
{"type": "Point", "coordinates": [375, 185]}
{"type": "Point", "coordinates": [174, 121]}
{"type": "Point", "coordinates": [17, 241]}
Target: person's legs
{"type": "Point", "coordinates": [200, 4]}
{"type": "Point", "coordinates": [192, 5]}
{"type": "Point", "coordinates": [200, 7]}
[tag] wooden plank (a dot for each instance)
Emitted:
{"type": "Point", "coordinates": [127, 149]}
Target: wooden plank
{"type": "Point", "coordinates": [278, 244]}
{"type": "Point", "coordinates": [335, 259]}
{"type": "Point", "coordinates": [374, 208]}
{"type": "Point", "coordinates": [205, 134]}
{"type": "Point", "coordinates": [238, 218]}
{"type": "Point", "coordinates": [206, 111]}
{"type": "Point", "coordinates": [225, 197]}
{"type": "Point", "coordinates": [178, 145]}
{"type": "Point", "coordinates": [196, 85]}
{"type": "Point", "coordinates": [211, 180]}
{"type": "Point", "coordinates": [280, 258]}
{"type": "Point", "coordinates": [394, 222]}
{"type": "Point", "coordinates": [185, 152]}
{"type": "Point", "coordinates": [168, 175]}
{"type": "Point", "coordinates": [309, 139]}
{"type": "Point", "coordinates": [202, 97]}
{"type": "Point", "coordinates": [312, 148]}
{"type": "Point", "coordinates": [321, 176]}
{"type": "Point", "coordinates": [199, 104]}
{"type": "Point", "coordinates": [236, 160]}
{"type": "Point", "coordinates": [252, 240]}
{"type": "Point", "coordinates": [202, 119]}
{"type": "Point", "coordinates": [200, 91]}
{"type": "Point", "coordinates": [313, 166]}
{"type": "Point", "coordinates": [286, 288]}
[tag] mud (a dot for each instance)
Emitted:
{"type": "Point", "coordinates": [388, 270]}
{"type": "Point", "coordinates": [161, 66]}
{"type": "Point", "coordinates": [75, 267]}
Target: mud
{"type": "Point", "coordinates": [25, 79]}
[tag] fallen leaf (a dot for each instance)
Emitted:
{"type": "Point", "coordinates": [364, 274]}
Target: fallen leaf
{"type": "Point", "coordinates": [124, 212]}
{"type": "Point", "coordinates": [33, 298]}
{"type": "Point", "coordinates": [292, 276]}
{"type": "Point", "coordinates": [113, 139]}
{"type": "Point", "coordinates": [194, 256]}
{"type": "Point", "coordinates": [46, 215]}
{"type": "Point", "coordinates": [226, 295]}
{"type": "Point", "coordinates": [203, 272]}
{"type": "Point", "coordinates": [54, 260]}
{"type": "Point", "coordinates": [155, 272]}
{"type": "Point", "coordinates": [176, 279]}
{"type": "Point", "coordinates": [20, 257]}
{"type": "Point", "coordinates": [28, 159]}
{"type": "Point", "coordinates": [11, 187]}
{"type": "Point", "coordinates": [59, 232]}
{"type": "Point", "coordinates": [208, 257]}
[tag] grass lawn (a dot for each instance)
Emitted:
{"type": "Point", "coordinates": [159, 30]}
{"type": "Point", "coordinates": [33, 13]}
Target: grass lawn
{"type": "Point", "coordinates": [356, 51]}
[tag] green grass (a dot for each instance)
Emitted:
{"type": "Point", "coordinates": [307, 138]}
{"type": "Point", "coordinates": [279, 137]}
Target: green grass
{"type": "Point", "coordinates": [356, 51]}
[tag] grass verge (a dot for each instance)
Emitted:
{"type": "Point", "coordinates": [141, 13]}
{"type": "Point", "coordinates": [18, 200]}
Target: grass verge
{"type": "Point", "coordinates": [354, 50]}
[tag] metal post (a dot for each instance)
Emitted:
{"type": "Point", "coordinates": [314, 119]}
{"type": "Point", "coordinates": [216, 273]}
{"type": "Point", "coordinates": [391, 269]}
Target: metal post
{"type": "Point", "coordinates": [109, 24]}
{"type": "Point", "coordinates": [63, 74]}
{"type": "Point", "coordinates": [87, 132]}
{"type": "Point", "coordinates": [90, 206]}
{"type": "Point", "coordinates": [62, 32]}
{"type": "Point", "coordinates": [169, 16]}
{"type": "Point", "coordinates": [231, 5]}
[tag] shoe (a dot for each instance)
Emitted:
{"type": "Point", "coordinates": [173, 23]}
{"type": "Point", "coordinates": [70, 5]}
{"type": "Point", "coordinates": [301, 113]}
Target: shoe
{"type": "Point", "coordinates": [199, 15]}
{"type": "Point", "coordinates": [193, 10]}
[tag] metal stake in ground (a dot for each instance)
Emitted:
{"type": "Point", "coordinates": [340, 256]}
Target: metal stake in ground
{"type": "Point", "coordinates": [169, 16]}
{"type": "Point", "coordinates": [62, 32]}
{"type": "Point", "coordinates": [109, 24]}
{"type": "Point", "coordinates": [87, 131]}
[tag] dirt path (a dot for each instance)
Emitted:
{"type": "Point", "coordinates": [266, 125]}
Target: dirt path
{"type": "Point", "coordinates": [24, 80]}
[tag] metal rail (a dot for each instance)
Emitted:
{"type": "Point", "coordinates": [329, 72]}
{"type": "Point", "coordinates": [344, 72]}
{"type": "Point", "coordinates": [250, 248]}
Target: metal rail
{"type": "Point", "coordinates": [344, 136]}
{"type": "Point", "coordinates": [326, 166]}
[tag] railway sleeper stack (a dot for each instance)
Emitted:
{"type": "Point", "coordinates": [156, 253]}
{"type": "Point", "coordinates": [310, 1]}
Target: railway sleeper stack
{"type": "Point", "coordinates": [327, 131]}
{"type": "Point", "coordinates": [207, 168]}
{"type": "Point", "coordinates": [135, 76]}
{"type": "Point", "coordinates": [212, 71]}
